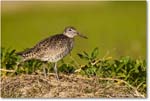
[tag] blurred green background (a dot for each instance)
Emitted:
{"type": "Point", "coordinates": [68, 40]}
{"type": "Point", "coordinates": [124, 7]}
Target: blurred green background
{"type": "Point", "coordinates": [117, 28]}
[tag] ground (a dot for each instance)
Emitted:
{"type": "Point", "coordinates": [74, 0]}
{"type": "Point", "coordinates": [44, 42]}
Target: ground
{"type": "Point", "coordinates": [69, 86]}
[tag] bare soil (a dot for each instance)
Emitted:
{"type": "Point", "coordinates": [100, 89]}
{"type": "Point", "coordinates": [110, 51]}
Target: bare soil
{"type": "Point", "coordinates": [69, 86]}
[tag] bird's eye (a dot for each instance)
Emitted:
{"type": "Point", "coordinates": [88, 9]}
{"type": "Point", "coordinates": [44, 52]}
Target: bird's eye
{"type": "Point", "coordinates": [70, 29]}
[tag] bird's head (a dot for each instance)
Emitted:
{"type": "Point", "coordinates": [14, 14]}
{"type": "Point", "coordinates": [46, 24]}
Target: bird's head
{"type": "Point", "coordinates": [71, 32]}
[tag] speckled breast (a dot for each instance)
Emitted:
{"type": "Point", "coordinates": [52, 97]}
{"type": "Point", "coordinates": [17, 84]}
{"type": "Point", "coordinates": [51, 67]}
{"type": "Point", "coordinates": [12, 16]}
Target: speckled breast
{"type": "Point", "coordinates": [59, 51]}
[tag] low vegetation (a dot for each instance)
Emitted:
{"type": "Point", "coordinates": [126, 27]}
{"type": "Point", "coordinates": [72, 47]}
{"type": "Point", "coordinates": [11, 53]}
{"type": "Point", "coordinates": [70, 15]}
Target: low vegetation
{"type": "Point", "coordinates": [123, 77]}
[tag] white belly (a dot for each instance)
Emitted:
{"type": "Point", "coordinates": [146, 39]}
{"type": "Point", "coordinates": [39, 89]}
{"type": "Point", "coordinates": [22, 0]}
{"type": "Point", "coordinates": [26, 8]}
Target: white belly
{"type": "Point", "coordinates": [54, 58]}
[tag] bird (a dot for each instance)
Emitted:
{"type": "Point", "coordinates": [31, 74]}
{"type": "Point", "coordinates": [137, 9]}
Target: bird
{"type": "Point", "coordinates": [53, 48]}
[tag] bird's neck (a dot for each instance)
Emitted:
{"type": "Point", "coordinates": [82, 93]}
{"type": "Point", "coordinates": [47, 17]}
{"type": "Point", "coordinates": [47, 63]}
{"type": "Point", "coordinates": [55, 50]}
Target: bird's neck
{"type": "Point", "coordinates": [68, 35]}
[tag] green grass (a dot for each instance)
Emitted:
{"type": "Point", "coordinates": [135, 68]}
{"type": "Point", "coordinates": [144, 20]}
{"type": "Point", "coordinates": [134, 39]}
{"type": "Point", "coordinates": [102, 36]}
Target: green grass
{"type": "Point", "coordinates": [117, 27]}
{"type": "Point", "coordinates": [133, 71]}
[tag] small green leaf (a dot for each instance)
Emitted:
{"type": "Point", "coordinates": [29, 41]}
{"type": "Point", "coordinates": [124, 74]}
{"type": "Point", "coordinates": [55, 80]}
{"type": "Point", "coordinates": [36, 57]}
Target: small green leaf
{"type": "Point", "coordinates": [12, 52]}
{"type": "Point", "coordinates": [94, 53]}
{"type": "Point", "coordinates": [83, 56]}
{"type": "Point", "coordinates": [86, 53]}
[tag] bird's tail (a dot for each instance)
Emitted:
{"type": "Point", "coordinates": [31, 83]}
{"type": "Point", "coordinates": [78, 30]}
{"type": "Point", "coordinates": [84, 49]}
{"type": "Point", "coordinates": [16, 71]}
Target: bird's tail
{"type": "Point", "coordinates": [19, 53]}
{"type": "Point", "coordinates": [26, 55]}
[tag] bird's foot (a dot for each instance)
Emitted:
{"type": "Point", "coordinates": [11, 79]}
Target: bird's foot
{"type": "Point", "coordinates": [57, 77]}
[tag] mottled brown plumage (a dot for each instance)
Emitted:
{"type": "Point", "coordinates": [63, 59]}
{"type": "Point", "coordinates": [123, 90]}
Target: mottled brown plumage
{"type": "Point", "coordinates": [50, 49]}
{"type": "Point", "coordinates": [53, 48]}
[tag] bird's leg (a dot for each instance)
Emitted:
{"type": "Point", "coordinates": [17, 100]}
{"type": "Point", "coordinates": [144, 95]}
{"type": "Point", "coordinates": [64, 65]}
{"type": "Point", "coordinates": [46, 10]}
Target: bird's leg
{"type": "Point", "coordinates": [55, 69]}
{"type": "Point", "coordinates": [47, 69]}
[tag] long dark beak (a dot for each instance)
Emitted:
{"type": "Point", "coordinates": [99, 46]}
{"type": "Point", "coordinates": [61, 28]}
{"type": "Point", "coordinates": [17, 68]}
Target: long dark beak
{"type": "Point", "coordinates": [82, 36]}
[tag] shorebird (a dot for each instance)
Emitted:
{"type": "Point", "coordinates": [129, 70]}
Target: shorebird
{"type": "Point", "coordinates": [53, 48]}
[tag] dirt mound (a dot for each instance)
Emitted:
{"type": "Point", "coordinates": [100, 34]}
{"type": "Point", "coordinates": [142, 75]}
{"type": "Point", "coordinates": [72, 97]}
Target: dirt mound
{"type": "Point", "coordinates": [69, 86]}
